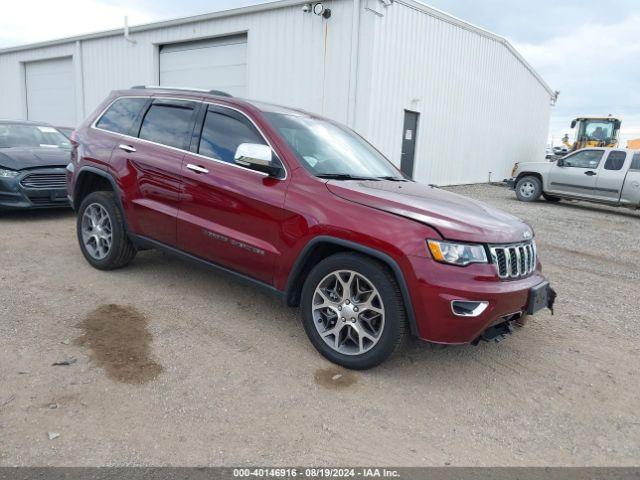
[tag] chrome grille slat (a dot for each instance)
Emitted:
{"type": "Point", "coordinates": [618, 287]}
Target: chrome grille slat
{"type": "Point", "coordinates": [45, 181]}
{"type": "Point", "coordinates": [514, 260]}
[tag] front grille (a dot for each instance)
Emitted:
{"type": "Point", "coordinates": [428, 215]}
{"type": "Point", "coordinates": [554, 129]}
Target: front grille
{"type": "Point", "coordinates": [44, 181]}
{"type": "Point", "coordinates": [514, 261]}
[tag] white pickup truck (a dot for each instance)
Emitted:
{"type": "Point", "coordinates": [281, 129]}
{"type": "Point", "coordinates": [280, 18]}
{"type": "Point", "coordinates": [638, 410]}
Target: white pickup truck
{"type": "Point", "coordinates": [603, 175]}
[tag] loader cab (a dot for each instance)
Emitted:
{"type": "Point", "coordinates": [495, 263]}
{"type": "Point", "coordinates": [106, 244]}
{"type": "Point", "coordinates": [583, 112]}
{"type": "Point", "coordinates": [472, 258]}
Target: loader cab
{"type": "Point", "coordinates": [593, 132]}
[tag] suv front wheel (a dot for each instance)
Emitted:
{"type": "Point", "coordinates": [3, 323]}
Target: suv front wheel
{"type": "Point", "coordinates": [101, 232]}
{"type": "Point", "coordinates": [352, 310]}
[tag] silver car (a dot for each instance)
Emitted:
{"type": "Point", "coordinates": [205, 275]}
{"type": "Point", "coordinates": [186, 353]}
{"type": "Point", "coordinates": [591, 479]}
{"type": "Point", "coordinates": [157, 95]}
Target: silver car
{"type": "Point", "coordinates": [603, 175]}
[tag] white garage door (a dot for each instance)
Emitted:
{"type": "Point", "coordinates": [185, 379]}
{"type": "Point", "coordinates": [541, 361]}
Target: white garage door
{"type": "Point", "coordinates": [51, 93]}
{"type": "Point", "coordinates": [216, 64]}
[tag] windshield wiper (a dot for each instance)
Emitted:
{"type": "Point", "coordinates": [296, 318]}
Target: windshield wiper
{"type": "Point", "coordinates": [344, 176]}
{"type": "Point", "coordinates": [393, 179]}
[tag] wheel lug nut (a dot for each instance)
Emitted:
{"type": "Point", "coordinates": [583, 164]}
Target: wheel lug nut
{"type": "Point", "coordinates": [340, 308]}
{"type": "Point", "coordinates": [347, 302]}
{"type": "Point", "coordinates": [344, 319]}
{"type": "Point", "coordinates": [353, 320]}
{"type": "Point", "coordinates": [355, 309]}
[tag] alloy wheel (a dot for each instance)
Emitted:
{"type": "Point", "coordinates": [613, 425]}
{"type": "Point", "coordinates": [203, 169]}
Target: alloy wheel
{"type": "Point", "coordinates": [97, 232]}
{"type": "Point", "coordinates": [348, 312]}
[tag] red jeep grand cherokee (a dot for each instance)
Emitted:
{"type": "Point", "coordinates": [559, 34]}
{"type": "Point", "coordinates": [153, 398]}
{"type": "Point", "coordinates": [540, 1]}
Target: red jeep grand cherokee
{"type": "Point", "coordinates": [306, 209]}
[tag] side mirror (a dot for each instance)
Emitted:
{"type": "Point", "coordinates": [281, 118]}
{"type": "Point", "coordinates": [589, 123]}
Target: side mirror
{"type": "Point", "coordinates": [257, 157]}
{"type": "Point", "coordinates": [560, 162]}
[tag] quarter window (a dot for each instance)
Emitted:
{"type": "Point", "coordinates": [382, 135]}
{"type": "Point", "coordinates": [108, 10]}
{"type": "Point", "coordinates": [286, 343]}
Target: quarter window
{"type": "Point", "coordinates": [584, 159]}
{"type": "Point", "coordinates": [168, 124]}
{"type": "Point", "coordinates": [121, 115]}
{"type": "Point", "coordinates": [221, 135]}
{"type": "Point", "coordinates": [615, 160]}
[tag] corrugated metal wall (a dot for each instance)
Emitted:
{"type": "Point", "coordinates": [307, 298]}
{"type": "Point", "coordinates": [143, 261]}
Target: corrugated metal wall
{"type": "Point", "coordinates": [480, 108]}
{"type": "Point", "coordinates": [294, 59]}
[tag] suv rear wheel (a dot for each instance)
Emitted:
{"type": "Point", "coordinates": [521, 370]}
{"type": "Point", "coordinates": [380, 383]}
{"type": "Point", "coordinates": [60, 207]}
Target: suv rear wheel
{"type": "Point", "coordinates": [352, 310]}
{"type": "Point", "coordinates": [101, 232]}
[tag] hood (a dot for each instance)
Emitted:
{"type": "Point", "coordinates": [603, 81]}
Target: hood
{"type": "Point", "coordinates": [454, 216]}
{"type": "Point", "coordinates": [23, 158]}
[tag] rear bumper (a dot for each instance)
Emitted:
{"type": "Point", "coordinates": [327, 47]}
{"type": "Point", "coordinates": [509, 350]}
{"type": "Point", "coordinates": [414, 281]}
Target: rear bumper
{"type": "Point", "coordinates": [15, 196]}
{"type": "Point", "coordinates": [436, 286]}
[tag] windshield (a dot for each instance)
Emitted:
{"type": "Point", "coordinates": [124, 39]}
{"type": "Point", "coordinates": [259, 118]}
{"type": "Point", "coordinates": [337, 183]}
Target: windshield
{"type": "Point", "coordinates": [327, 149]}
{"type": "Point", "coordinates": [31, 136]}
{"type": "Point", "coordinates": [598, 130]}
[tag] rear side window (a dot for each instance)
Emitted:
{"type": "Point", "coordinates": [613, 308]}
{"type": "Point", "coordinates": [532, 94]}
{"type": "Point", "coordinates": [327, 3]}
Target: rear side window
{"type": "Point", "coordinates": [635, 164]}
{"type": "Point", "coordinates": [221, 135]}
{"type": "Point", "coordinates": [168, 124]}
{"type": "Point", "coordinates": [121, 115]}
{"type": "Point", "coordinates": [615, 160]}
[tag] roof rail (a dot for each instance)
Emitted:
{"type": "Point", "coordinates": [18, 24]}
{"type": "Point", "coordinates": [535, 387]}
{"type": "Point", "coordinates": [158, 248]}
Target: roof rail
{"type": "Point", "coordinates": [220, 93]}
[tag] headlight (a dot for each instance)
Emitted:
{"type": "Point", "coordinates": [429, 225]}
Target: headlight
{"type": "Point", "coordinates": [457, 253]}
{"type": "Point", "coordinates": [4, 173]}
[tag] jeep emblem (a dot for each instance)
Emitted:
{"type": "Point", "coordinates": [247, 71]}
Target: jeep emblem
{"type": "Point", "coordinates": [527, 235]}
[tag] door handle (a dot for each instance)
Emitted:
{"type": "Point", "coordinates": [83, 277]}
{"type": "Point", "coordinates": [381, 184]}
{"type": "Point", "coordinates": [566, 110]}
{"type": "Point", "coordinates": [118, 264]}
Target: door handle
{"type": "Point", "coordinates": [126, 148]}
{"type": "Point", "coordinates": [197, 168]}
{"type": "Point", "coordinates": [590, 173]}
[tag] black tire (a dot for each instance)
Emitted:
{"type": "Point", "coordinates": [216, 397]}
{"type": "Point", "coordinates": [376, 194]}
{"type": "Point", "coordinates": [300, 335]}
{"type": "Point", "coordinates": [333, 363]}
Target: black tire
{"type": "Point", "coordinates": [529, 189]}
{"type": "Point", "coordinates": [395, 328]}
{"type": "Point", "coordinates": [122, 251]}
{"type": "Point", "coordinates": [551, 198]}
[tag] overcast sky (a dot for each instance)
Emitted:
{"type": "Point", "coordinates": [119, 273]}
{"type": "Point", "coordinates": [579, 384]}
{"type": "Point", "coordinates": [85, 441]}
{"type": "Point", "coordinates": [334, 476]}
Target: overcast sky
{"type": "Point", "coordinates": [587, 49]}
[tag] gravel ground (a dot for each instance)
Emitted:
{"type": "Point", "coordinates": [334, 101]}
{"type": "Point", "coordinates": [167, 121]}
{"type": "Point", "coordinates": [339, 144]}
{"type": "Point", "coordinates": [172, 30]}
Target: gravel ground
{"type": "Point", "coordinates": [221, 375]}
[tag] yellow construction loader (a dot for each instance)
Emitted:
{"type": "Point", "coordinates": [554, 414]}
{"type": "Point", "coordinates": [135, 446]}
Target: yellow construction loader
{"type": "Point", "coordinates": [594, 132]}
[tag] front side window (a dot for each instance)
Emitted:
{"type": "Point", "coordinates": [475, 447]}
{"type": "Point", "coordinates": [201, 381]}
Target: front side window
{"type": "Point", "coordinates": [17, 135]}
{"type": "Point", "coordinates": [221, 135]}
{"type": "Point", "coordinates": [330, 150]}
{"type": "Point", "coordinates": [635, 164]}
{"type": "Point", "coordinates": [121, 115]}
{"type": "Point", "coordinates": [615, 160]}
{"type": "Point", "coordinates": [168, 124]}
{"type": "Point", "coordinates": [584, 159]}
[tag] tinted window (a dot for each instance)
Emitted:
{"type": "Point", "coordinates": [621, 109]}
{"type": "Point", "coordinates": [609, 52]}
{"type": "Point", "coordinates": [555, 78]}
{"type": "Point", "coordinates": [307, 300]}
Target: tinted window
{"type": "Point", "coordinates": [615, 160]}
{"type": "Point", "coordinates": [584, 159]}
{"type": "Point", "coordinates": [222, 134]}
{"type": "Point", "coordinates": [167, 124]}
{"type": "Point", "coordinates": [120, 116]}
{"type": "Point", "coordinates": [635, 164]}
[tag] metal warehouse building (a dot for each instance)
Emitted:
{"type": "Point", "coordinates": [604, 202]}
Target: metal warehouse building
{"type": "Point", "coordinates": [449, 102]}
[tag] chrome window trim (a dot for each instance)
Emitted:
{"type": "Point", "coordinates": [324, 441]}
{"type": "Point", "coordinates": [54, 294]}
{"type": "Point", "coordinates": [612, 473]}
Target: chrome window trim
{"type": "Point", "coordinates": [205, 102]}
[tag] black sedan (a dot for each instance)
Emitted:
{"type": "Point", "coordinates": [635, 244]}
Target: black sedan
{"type": "Point", "coordinates": [33, 161]}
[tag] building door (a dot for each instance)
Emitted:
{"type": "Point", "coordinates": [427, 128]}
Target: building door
{"type": "Point", "coordinates": [50, 90]}
{"type": "Point", "coordinates": [409, 136]}
{"type": "Point", "coordinates": [213, 64]}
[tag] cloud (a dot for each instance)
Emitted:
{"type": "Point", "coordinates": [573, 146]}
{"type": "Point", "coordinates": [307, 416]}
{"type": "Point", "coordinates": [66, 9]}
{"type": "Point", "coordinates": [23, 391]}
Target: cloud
{"type": "Point", "coordinates": [596, 70]}
{"type": "Point", "coordinates": [29, 21]}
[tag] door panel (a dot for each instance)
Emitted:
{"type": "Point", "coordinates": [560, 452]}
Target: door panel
{"type": "Point", "coordinates": [50, 90]}
{"type": "Point", "coordinates": [154, 167]}
{"type": "Point", "coordinates": [230, 215]}
{"type": "Point", "coordinates": [409, 138]}
{"type": "Point", "coordinates": [611, 175]}
{"type": "Point", "coordinates": [219, 63]}
{"type": "Point", "coordinates": [578, 174]}
{"type": "Point", "coordinates": [153, 185]}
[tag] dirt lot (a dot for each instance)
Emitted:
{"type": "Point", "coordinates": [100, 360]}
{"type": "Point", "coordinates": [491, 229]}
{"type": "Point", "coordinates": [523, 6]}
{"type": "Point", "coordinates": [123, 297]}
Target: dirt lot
{"type": "Point", "coordinates": [170, 364]}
